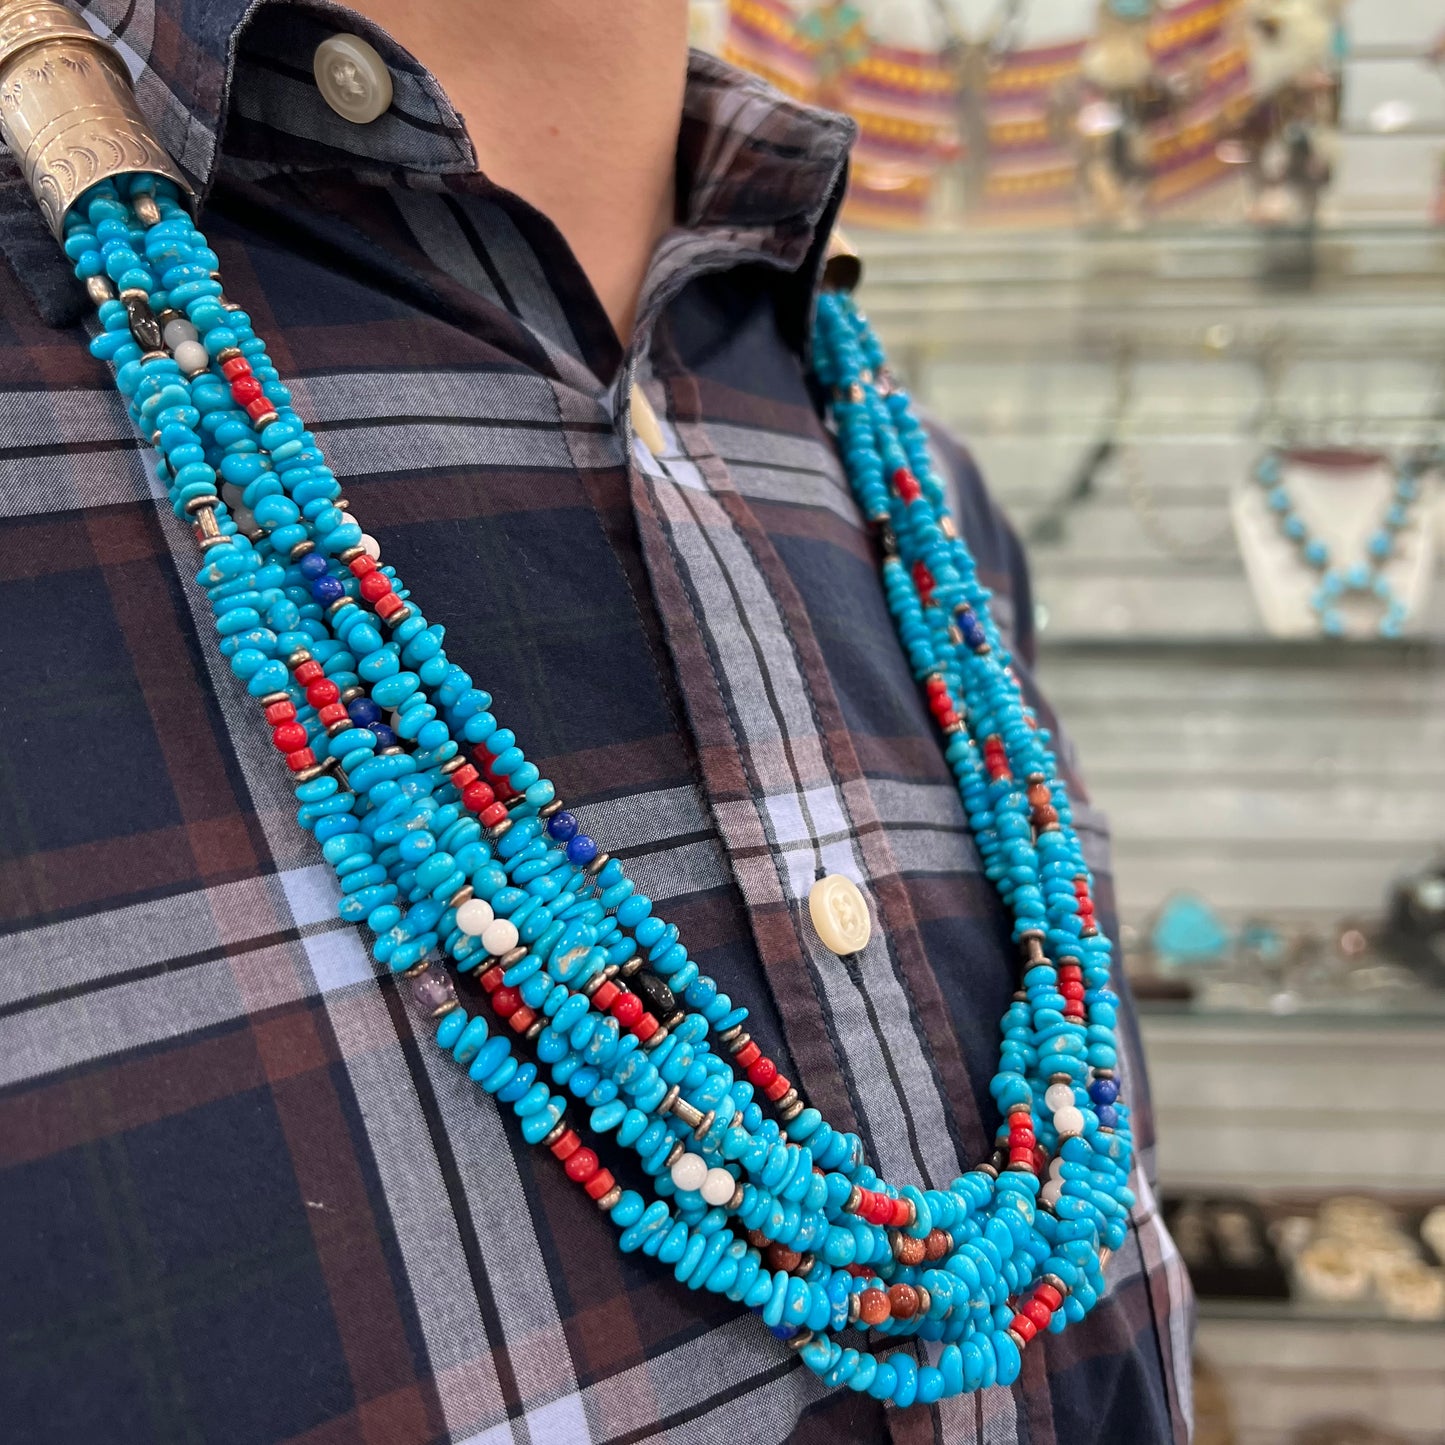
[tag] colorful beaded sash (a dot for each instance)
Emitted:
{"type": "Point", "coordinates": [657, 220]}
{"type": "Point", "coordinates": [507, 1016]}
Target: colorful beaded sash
{"type": "Point", "coordinates": [456, 854]}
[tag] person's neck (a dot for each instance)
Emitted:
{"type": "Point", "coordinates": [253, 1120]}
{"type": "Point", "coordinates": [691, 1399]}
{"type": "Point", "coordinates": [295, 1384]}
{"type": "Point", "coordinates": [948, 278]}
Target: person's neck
{"type": "Point", "coordinates": [574, 106]}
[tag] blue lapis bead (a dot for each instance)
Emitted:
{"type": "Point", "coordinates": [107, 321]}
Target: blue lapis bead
{"type": "Point", "coordinates": [581, 849]}
{"type": "Point", "coordinates": [562, 826]}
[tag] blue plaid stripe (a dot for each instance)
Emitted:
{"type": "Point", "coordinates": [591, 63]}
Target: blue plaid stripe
{"type": "Point", "coordinates": [248, 1202]}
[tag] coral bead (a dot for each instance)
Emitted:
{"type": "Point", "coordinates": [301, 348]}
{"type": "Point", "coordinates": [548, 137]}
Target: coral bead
{"type": "Point", "coordinates": [288, 737]}
{"type": "Point", "coordinates": [581, 1166]}
{"type": "Point", "coordinates": [322, 693]}
{"type": "Point", "coordinates": [375, 585]}
{"type": "Point", "coordinates": [599, 1184]}
{"type": "Point", "coordinates": [762, 1073]}
{"type": "Point", "coordinates": [627, 1009]}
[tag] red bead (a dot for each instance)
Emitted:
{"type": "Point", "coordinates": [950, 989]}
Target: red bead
{"type": "Point", "coordinates": [627, 1009]}
{"type": "Point", "coordinates": [902, 1214]}
{"type": "Point", "coordinates": [237, 366]}
{"type": "Point", "coordinates": [464, 777]}
{"type": "Point", "coordinates": [1050, 1297]}
{"type": "Point", "coordinates": [762, 1073]}
{"type": "Point", "coordinates": [1038, 1312]}
{"type": "Point", "coordinates": [289, 737]}
{"type": "Point", "coordinates": [923, 580]}
{"type": "Point", "coordinates": [375, 586]}
{"type": "Point", "coordinates": [333, 712]}
{"type": "Point", "coordinates": [280, 712]}
{"type": "Point", "coordinates": [880, 1209]}
{"type": "Point", "coordinates": [777, 1088]}
{"type": "Point", "coordinates": [567, 1145]}
{"type": "Point", "coordinates": [645, 1027]}
{"type": "Point", "coordinates": [492, 978]}
{"type": "Point", "coordinates": [522, 1020]}
{"type": "Point", "coordinates": [599, 1184]}
{"type": "Point", "coordinates": [748, 1055]}
{"type": "Point", "coordinates": [310, 671]}
{"type": "Point", "coordinates": [1023, 1327]}
{"type": "Point", "coordinates": [246, 389]}
{"type": "Point", "coordinates": [477, 796]}
{"type": "Point", "coordinates": [506, 1001]}
{"type": "Point", "coordinates": [582, 1166]}
{"type": "Point", "coordinates": [389, 605]}
{"type": "Point", "coordinates": [259, 408]}
{"type": "Point", "coordinates": [360, 566]}
{"type": "Point", "coordinates": [602, 999]}
{"type": "Point", "coordinates": [323, 693]}
{"type": "Point", "coordinates": [492, 815]}
{"type": "Point", "coordinates": [301, 758]}
{"type": "Point", "coordinates": [1040, 1160]}
{"type": "Point", "coordinates": [906, 485]}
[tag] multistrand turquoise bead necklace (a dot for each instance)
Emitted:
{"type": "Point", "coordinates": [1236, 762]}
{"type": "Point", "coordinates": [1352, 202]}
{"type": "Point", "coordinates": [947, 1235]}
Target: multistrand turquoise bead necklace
{"type": "Point", "coordinates": [455, 853]}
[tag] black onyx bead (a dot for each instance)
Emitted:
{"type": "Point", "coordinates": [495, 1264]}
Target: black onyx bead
{"type": "Point", "coordinates": [660, 1000]}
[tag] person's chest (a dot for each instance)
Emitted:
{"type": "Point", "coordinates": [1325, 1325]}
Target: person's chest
{"type": "Point", "coordinates": [691, 642]}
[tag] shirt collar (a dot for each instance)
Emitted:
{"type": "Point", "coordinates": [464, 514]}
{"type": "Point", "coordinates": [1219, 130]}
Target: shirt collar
{"type": "Point", "coordinates": [230, 81]}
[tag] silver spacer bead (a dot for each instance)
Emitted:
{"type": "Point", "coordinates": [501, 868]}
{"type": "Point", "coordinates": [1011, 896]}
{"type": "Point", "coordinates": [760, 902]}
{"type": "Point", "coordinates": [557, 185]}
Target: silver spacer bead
{"type": "Point", "coordinates": [99, 289]}
{"type": "Point", "coordinates": [609, 1201]}
{"type": "Point", "coordinates": [705, 1123]}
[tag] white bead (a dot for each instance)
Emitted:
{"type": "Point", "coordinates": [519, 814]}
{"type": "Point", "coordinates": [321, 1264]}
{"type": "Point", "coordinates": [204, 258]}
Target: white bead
{"type": "Point", "coordinates": [244, 519]}
{"type": "Point", "coordinates": [499, 936]}
{"type": "Point", "coordinates": [347, 517]}
{"type": "Point", "coordinates": [1051, 1192]}
{"type": "Point", "coordinates": [178, 331]}
{"type": "Point", "coordinates": [191, 357]}
{"type": "Point", "coordinates": [352, 78]}
{"type": "Point", "coordinates": [473, 917]}
{"type": "Point", "coordinates": [718, 1187]}
{"type": "Point", "coordinates": [371, 546]}
{"type": "Point", "coordinates": [232, 495]}
{"type": "Point", "coordinates": [1056, 1168]}
{"type": "Point", "coordinates": [840, 914]}
{"type": "Point", "coordinates": [690, 1172]}
{"type": "Point", "coordinates": [1068, 1121]}
{"type": "Point", "coordinates": [1059, 1096]}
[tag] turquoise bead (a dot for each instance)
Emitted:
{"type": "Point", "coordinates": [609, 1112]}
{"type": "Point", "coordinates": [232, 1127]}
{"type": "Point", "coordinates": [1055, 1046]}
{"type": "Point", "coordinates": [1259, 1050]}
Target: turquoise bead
{"type": "Point", "coordinates": [451, 1028]}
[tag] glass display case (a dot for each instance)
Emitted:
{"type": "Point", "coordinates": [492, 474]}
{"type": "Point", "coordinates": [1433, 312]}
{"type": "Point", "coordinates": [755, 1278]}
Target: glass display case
{"type": "Point", "coordinates": [1175, 274]}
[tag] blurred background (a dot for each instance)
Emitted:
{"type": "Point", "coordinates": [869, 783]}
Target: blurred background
{"type": "Point", "coordinates": [1176, 273]}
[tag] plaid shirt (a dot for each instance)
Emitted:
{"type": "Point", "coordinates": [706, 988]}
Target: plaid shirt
{"type": "Point", "coordinates": [244, 1198]}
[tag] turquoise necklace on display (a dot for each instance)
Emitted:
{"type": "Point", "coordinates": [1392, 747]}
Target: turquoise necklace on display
{"type": "Point", "coordinates": [456, 854]}
{"type": "Point", "coordinates": [1364, 577]}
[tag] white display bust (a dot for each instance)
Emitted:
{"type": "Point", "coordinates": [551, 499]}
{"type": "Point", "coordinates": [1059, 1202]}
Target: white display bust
{"type": "Point", "coordinates": [1342, 497]}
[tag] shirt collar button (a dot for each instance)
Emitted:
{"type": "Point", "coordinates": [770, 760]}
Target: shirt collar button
{"type": "Point", "coordinates": [352, 78]}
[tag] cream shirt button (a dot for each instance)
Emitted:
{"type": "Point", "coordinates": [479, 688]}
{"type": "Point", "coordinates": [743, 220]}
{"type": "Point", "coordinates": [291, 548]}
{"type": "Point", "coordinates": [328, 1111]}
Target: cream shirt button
{"type": "Point", "coordinates": [352, 78]}
{"type": "Point", "coordinates": [840, 914]}
{"type": "Point", "coordinates": [644, 422]}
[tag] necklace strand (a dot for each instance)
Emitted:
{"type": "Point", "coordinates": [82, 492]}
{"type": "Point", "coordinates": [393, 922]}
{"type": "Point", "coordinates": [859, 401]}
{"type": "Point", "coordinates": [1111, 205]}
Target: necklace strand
{"type": "Point", "coordinates": [446, 840]}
